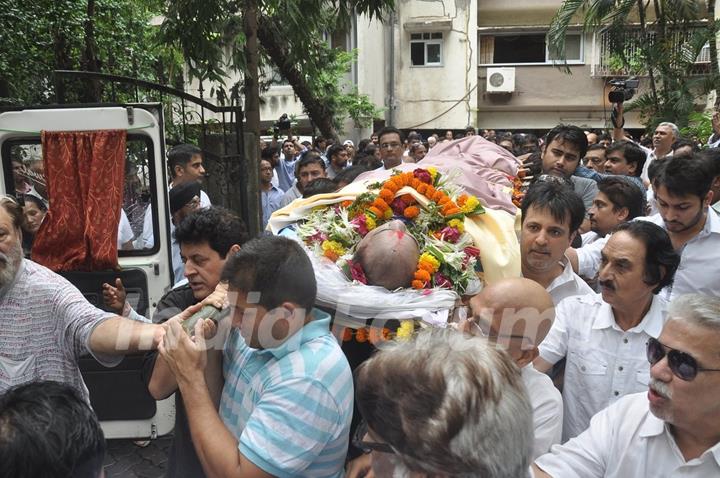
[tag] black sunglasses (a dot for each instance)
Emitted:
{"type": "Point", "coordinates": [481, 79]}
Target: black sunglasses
{"type": "Point", "coordinates": [368, 446]}
{"type": "Point", "coordinates": [682, 364]}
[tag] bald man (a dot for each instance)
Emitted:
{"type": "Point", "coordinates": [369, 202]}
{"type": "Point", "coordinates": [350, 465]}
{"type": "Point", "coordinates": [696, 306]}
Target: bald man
{"type": "Point", "coordinates": [517, 314]}
{"type": "Point", "coordinates": [389, 244]}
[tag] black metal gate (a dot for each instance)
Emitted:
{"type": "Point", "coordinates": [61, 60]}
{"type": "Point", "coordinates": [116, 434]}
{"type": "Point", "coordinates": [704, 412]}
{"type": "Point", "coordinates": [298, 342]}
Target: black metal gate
{"type": "Point", "coordinates": [216, 129]}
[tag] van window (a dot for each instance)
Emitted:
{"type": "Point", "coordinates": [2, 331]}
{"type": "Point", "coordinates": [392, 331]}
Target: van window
{"type": "Point", "coordinates": [137, 227]}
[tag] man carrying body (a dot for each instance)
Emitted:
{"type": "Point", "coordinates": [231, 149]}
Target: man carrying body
{"type": "Point", "coordinates": [310, 167]}
{"type": "Point", "coordinates": [682, 190]}
{"type": "Point", "coordinates": [603, 335]}
{"type": "Point", "coordinates": [517, 314]}
{"type": "Point", "coordinates": [564, 146]}
{"type": "Point", "coordinates": [45, 322]}
{"type": "Point", "coordinates": [286, 404]}
{"type": "Point", "coordinates": [390, 141]}
{"type": "Point", "coordinates": [551, 214]}
{"type": "Point", "coordinates": [672, 428]}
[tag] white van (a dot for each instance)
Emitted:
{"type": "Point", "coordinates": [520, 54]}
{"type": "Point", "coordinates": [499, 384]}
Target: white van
{"type": "Point", "coordinates": [118, 395]}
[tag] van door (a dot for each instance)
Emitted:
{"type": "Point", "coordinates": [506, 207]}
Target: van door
{"type": "Point", "coordinates": [118, 395]}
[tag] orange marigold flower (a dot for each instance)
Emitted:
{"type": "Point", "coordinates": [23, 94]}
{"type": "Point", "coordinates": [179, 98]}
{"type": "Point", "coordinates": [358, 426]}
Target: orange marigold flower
{"type": "Point", "coordinates": [446, 199]}
{"type": "Point", "coordinates": [347, 334]}
{"type": "Point", "coordinates": [426, 266]}
{"type": "Point", "coordinates": [376, 212]}
{"type": "Point", "coordinates": [430, 191]}
{"type": "Point", "coordinates": [386, 333]}
{"type": "Point", "coordinates": [422, 275]}
{"type": "Point", "coordinates": [422, 189]}
{"type": "Point", "coordinates": [391, 186]}
{"type": "Point", "coordinates": [361, 335]}
{"type": "Point", "coordinates": [438, 196]}
{"type": "Point", "coordinates": [461, 200]}
{"type": "Point", "coordinates": [346, 204]}
{"type": "Point", "coordinates": [408, 199]}
{"type": "Point", "coordinates": [411, 212]}
{"type": "Point", "coordinates": [416, 284]}
{"type": "Point", "coordinates": [380, 204]}
{"type": "Point", "coordinates": [387, 195]}
{"type": "Point", "coordinates": [452, 211]}
{"type": "Point", "coordinates": [331, 255]}
{"type": "Point", "coordinates": [415, 183]}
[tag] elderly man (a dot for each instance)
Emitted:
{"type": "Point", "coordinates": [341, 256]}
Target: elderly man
{"type": "Point", "coordinates": [551, 215]}
{"type": "Point", "coordinates": [45, 322]}
{"type": "Point", "coordinates": [517, 313]}
{"type": "Point", "coordinates": [445, 404]}
{"type": "Point", "coordinates": [603, 336]}
{"type": "Point", "coordinates": [673, 428]}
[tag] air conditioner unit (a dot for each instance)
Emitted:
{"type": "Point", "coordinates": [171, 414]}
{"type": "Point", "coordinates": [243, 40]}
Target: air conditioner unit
{"type": "Point", "coordinates": [500, 80]}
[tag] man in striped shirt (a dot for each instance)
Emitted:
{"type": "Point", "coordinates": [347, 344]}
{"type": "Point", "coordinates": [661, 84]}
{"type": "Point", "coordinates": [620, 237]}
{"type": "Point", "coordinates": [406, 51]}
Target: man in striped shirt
{"type": "Point", "coordinates": [287, 399]}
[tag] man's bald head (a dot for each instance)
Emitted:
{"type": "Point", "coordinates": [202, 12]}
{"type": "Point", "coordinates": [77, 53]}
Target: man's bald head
{"type": "Point", "coordinates": [514, 308]}
{"type": "Point", "coordinates": [389, 256]}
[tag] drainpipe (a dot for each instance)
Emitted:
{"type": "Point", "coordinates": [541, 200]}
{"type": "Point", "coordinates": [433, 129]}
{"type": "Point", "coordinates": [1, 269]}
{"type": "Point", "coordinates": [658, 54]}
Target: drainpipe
{"type": "Point", "coordinates": [391, 76]}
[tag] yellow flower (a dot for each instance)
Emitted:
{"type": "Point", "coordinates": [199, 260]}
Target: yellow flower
{"type": "Point", "coordinates": [433, 172]}
{"type": "Point", "coordinates": [370, 222]}
{"type": "Point", "coordinates": [406, 330]}
{"type": "Point", "coordinates": [470, 205]}
{"type": "Point", "coordinates": [431, 260]}
{"type": "Point", "coordinates": [388, 214]}
{"type": "Point", "coordinates": [457, 224]}
{"type": "Point", "coordinates": [333, 247]}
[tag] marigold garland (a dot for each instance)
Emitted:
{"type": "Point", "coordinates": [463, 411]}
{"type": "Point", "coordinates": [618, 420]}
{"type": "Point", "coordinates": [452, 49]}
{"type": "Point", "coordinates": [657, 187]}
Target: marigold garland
{"type": "Point", "coordinates": [375, 335]}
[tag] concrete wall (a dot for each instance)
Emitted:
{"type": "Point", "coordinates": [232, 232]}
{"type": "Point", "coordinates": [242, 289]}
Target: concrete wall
{"type": "Point", "coordinates": [424, 93]}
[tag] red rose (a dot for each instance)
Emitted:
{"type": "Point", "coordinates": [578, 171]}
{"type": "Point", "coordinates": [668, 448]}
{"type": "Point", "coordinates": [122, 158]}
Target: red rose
{"type": "Point", "coordinates": [423, 175]}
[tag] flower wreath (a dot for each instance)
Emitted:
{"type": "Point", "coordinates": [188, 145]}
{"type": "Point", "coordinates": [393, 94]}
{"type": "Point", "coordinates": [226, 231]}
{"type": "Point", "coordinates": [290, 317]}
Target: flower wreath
{"type": "Point", "coordinates": [448, 256]}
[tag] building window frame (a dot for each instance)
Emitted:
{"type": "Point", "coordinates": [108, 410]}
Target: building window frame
{"type": "Point", "coordinates": [427, 41]}
{"type": "Point", "coordinates": [580, 60]}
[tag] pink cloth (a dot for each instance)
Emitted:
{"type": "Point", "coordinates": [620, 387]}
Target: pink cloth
{"type": "Point", "coordinates": [484, 168]}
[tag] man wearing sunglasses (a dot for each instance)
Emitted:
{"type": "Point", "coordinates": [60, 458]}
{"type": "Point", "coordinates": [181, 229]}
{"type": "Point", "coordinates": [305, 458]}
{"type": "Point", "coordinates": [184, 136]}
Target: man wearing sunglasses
{"type": "Point", "coordinates": [672, 429]}
{"type": "Point", "coordinates": [603, 336]}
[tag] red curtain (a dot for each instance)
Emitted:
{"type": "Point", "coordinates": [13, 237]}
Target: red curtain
{"type": "Point", "coordinates": [85, 175]}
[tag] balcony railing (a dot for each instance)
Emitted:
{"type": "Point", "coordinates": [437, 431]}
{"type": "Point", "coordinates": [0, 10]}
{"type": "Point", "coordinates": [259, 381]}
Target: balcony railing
{"type": "Point", "coordinates": [608, 64]}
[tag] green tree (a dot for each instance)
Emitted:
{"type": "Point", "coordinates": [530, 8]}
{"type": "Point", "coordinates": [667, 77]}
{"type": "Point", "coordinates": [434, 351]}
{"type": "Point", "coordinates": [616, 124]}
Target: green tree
{"type": "Point", "coordinates": [665, 49]}
{"type": "Point", "coordinates": [217, 36]}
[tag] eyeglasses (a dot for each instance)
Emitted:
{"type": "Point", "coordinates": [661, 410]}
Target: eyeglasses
{"type": "Point", "coordinates": [367, 446]}
{"type": "Point", "coordinates": [390, 145]}
{"type": "Point", "coordinates": [683, 365]}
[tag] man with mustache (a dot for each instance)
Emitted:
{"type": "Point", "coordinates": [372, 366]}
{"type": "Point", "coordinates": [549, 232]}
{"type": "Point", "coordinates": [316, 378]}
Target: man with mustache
{"type": "Point", "coordinates": [683, 193]}
{"type": "Point", "coordinates": [603, 336]}
{"type": "Point", "coordinates": [672, 429]}
{"type": "Point", "coordinates": [551, 215]}
{"type": "Point", "coordinates": [45, 322]}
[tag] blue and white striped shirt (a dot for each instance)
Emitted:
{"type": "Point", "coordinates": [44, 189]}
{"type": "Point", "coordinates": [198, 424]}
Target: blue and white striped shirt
{"type": "Point", "coordinates": [290, 407]}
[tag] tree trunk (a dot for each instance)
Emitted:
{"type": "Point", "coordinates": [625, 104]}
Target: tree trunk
{"type": "Point", "coordinates": [276, 47]}
{"type": "Point", "coordinates": [62, 62]}
{"type": "Point", "coordinates": [89, 61]}
{"type": "Point", "coordinates": [252, 87]}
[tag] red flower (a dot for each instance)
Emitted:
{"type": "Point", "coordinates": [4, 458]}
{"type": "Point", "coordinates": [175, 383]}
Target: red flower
{"type": "Point", "coordinates": [423, 175]}
{"type": "Point", "coordinates": [450, 234]}
{"type": "Point", "coordinates": [398, 206]}
{"type": "Point", "coordinates": [356, 272]}
{"type": "Point", "coordinates": [442, 281]}
{"type": "Point", "coordinates": [360, 223]}
{"type": "Point", "coordinates": [318, 237]}
{"type": "Point", "coordinates": [472, 251]}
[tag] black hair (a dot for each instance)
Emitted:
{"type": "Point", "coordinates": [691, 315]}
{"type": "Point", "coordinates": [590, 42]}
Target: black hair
{"type": "Point", "coordinates": [47, 429]}
{"type": "Point", "coordinates": [368, 161]}
{"type": "Point", "coordinates": [269, 152]}
{"type": "Point", "coordinates": [558, 198]}
{"type": "Point", "coordinates": [318, 139]}
{"type": "Point", "coordinates": [655, 167]}
{"type": "Point", "coordinates": [682, 142]}
{"type": "Point", "coordinates": [632, 153]}
{"type": "Point", "coordinates": [23, 199]}
{"type": "Point", "coordinates": [363, 144]}
{"type": "Point", "coordinates": [661, 260]}
{"type": "Point", "coordinates": [622, 193]}
{"type": "Point", "coordinates": [595, 147]}
{"type": "Point", "coordinates": [310, 157]}
{"type": "Point", "coordinates": [276, 267]}
{"type": "Point", "coordinates": [319, 186]}
{"type": "Point", "coordinates": [287, 140]}
{"type": "Point", "coordinates": [217, 226]}
{"type": "Point", "coordinates": [570, 133]}
{"type": "Point", "coordinates": [604, 137]}
{"type": "Point", "coordinates": [349, 175]}
{"type": "Point", "coordinates": [333, 150]}
{"type": "Point", "coordinates": [470, 129]}
{"type": "Point", "coordinates": [181, 155]}
{"type": "Point", "coordinates": [684, 175]}
{"type": "Point", "coordinates": [390, 130]}
{"type": "Point", "coordinates": [414, 135]}
{"type": "Point", "coordinates": [711, 157]}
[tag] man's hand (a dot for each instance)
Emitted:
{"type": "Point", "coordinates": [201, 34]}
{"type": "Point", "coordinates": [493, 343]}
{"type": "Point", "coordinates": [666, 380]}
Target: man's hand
{"type": "Point", "coordinates": [115, 297]}
{"type": "Point", "coordinates": [185, 356]}
{"type": "Point", "coordinates": [218, 298]}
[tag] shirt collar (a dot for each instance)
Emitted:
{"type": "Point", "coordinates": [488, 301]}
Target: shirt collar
{"type": "Point", "coordinates": [651, 323]}
{"type": "Point", "coordinates": [567, 275]}
{"type": "Point", "coordinates": [712, 224]}
{"type": "Point", "coordinates": [653, 426]}
{"type": "Point", "coordinates": [317, 327]}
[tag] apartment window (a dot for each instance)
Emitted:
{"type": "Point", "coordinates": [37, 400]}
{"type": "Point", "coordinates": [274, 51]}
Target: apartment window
{"type": "Point", "coordinates": [514, 49]}
{"type": "Point", "coordinates": [426, 49]}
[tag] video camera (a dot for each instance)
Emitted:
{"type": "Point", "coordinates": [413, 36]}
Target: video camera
{"type": "Point", "coordinates": [622, 90]}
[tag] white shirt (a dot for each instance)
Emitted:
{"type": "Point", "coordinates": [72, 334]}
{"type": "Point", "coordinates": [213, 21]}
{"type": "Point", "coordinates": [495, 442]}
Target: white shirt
{"type": "Point", "coordinates": [626, 440]}
{"type": "Point", "coordinates": [125, 232]}
{"type": "Point", "coordinates": [567, 284]}
{"type": "Point", "coordinates": [547, 409]}
{"type": "Point", "coordinates": [604, 362]}
{"type": "Point", "coordinates": [699, 269]}
{"type": "Point", "coordinates": [589, 237]}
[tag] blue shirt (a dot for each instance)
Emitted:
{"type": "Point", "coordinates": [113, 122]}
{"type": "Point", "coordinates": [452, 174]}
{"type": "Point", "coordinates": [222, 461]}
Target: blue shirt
{"type": "Point", "coordinates": [286, 172]}
{"type": "Point", "coordinates": [290, 407]}
{"type": "Point", "coordinates": [271, 200]}
{"type": "Point", "coordinates": [585, 172]}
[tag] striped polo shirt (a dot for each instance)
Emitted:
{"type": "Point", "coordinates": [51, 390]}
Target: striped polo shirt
{"type": "Point", "coordinates": [290, 407]}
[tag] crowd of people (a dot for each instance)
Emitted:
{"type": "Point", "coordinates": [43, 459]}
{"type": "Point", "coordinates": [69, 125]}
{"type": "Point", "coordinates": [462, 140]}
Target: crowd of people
{"type": "Point", "coordinates": [601, 360]}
